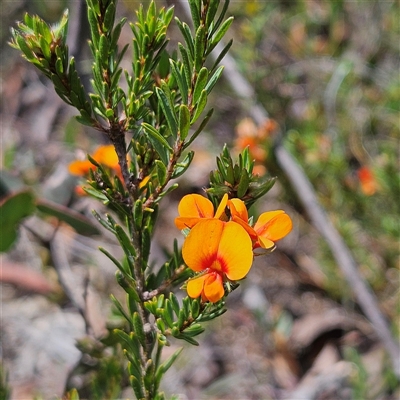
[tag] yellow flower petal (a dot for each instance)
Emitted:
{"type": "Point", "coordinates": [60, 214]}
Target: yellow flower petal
{"type": "Point", "coordinates": [195, 286]}
{"type": "Point", "coordinates": [273, 225]}
{"type": "Point", "coordinates": [80, 168]}
{"type": "Point", "coordinates": [252, 233]}
{"type": "Point", "coordinates": [238, 208]}
{"type": "Point", "coordinates": [213, 287]}
{"type": "Point", "coordinates": [264, 243]}
{"type": "Point", "coordinates": [194, 205]}
{"type": "Point", "coordinates": [106, 155]}
{"type": "Point", "coordinates": [235, 251]}
{"type": "Point", "coordinates": [201, 245]}
{"type": "Point", "coordinates": [221, 208]}
{"type": "Point", "coordinates": [186, 222]}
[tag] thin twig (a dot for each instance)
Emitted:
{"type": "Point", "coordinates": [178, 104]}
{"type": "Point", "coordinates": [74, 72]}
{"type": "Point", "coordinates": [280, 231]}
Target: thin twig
{"type": "Point", "coordinates": [306, 194]}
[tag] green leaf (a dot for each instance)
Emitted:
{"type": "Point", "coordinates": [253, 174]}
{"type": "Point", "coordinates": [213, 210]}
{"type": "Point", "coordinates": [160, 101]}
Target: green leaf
{"type": "Point", "coordinates": [163, 368]}
{"type": "Point", "coordinates": [222, 54]}
{"type": "Point", "coordinates": [103, 51]}
{"type": "Point", "coordinates": [187, 35]}
{"type": "Point", "coordinates": [168, 313]}
{"type": "Point", "coordinates": [221, 16]}
{"type": "Point", "coordinates": [211, 12]}
{"type": "Point", "coordinates": [160, 144]}
{"type": "Point", "coordinates": [123, 313]}
{"type": "Point", "coordinates": [138, 214]}
{"type": "Point", "coordinates": [184, 121]}
{"type": "Point", "coordinates": [201, 82]}
{"type": "Point", "coordinates": [167, 191]}
{"type": "Point", "coordinates": [187, 66]}
{"type": "Point", "coordinates": [137, 387]}
{"type": "Point", "coordinates": [243, 184]}
{"type": "Point", "coordinates": [13, 209]}
{"type": "Point", "coordinates": [114, 260]}
{"type": "Point", "coordinates": [193, 330]}
{"type": "Point", "coordinates": [169, 112]}
{"type": "Point", "coordinates": [199, 45]}
{"type": "Point", "coordinates": [180, 78]}
{"type": "Point", "coordinates": [200, 128]}
{"type": "Point", "coordinates": [183, 165]}
{"type": "Point", "coordinates": [214, 78]}
{"type": "Point", "coordinates": [139, 330]}
{"type": "Point", "coordinates": [109, 17]}
{"type": "Point", "coordinates": [161, 172]}
{"type": "Point", "coordinates": [195, 11]}
{"type": "Point", "coordinates": [146, 245]}
{"type": "Point", "coordinates": [95, 35]}
{"type": "Point", "coordinates": [200, 106]}
{"type": "Point", "coordinates": [220, 34]}
{"type": "Point", "coordinates": [78, 221]}
{"type": "Point", "coordinates": [125, 242]}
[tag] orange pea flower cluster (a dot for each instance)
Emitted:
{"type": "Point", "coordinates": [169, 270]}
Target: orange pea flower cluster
{"type": "Point", "coordinates": [257, 139]}
{"type": "Point", "coordinates": [104, 155]}
{"type": "Point", "coordinates": [220, 248]}
{"type": "Point", "coordinates": [367, 180]}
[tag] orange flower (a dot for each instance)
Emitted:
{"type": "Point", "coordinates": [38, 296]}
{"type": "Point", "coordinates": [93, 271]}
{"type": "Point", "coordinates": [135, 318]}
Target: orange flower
{"type": "Point", "coordinates": [270, 227]}
{"type": "Point", "coordinates": [367, 181]}
{"type": "Point", "coordinates": [104, 155]}
{"type": "Point", "coordinates": [194, 207]}
{"type": "Point", "coordinates": [220, 250]}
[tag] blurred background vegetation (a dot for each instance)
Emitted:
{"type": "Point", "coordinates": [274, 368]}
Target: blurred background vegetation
{"type": "Point", "coordinates": [328, 75]}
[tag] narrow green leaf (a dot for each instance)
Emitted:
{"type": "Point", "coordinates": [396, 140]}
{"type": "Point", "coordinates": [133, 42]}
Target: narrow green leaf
{"type": "Point", "coordinates": [201, 83]}
{"type": "Point", "coordinates": [220, 34]}
{"type": "Point", "coordinates": [125, 242]}
{"type": "Point", "coordinates": [187, 35]}
{"type": "Point", "coordinates": [199, 46]}
{"type": "Point", "coordinates": [183, 165]}
{"type": "Point", "coordinates": [119, 307]}
{"type": "Point", "coordinates": [116, 33]}
{"type": "Point", "coordinates": [114, 260]}
{"type": "Point", "coordinates": [138, 214]}
{"type": "Point", "coordinates": [137, 387]}
{"type": "Point", "coordinates": [193, 330]}
{"type": "Point", "coordinates": [45, 48]}
{"type": "Point", "coordinates": [222, 55]}
{"type": "Point", "coordinates": [109, 17]}
{"type": "Point", "coordinates": [221, 16]}
{"type": "Point", "coordinates": [243, 184]}
{"type": "Point", "coordinates": [184, 121]}
{"type": "Point", "coordinates": [24, 47]}
{"type": "Point", "coordinates": [103, 51]}
{"type": "Point", "coordinates": [195, 11]}
{"type": "Point", "coordinates": [214, 79]}
{"type": "Point", "coordinates": [189, 340]}
{"type": "Point", "coordinates": [180, 78]}
{"type": "Point", "coordinates": [200, 106]}
{"type": "Point", "coordinates": [161, 172]}
{"type": "Point", "coordinates": [187, 66]}
{"type": "Point", "coordinates": [95, 35]}
{"type": "Point", "coordinates": [138, 327]}
{"type": "Point", "coordinates": [160, 144]}
{"type": "Point", "coordinates": [211, 12]}
{"type": "Point", "coordinates": [200, 128]}
{"type": "Point", "coordinates": [146, 245]}
{"type": "Point", "coordinates": [168, 313]}
{"type": "Point", "coordinates": [168, 363]}
{"type": "Point", "coordinates": [168, 111]}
